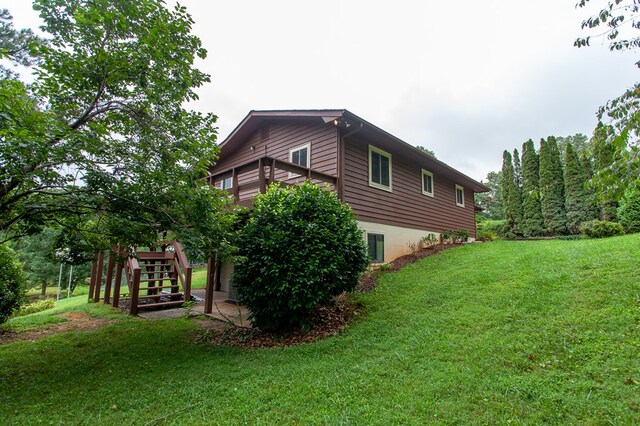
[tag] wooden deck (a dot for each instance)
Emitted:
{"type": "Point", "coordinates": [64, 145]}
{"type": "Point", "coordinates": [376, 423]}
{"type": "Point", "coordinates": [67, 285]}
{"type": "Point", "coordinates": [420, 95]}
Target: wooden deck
{"type": "Point", "coordinates": [253, 177]}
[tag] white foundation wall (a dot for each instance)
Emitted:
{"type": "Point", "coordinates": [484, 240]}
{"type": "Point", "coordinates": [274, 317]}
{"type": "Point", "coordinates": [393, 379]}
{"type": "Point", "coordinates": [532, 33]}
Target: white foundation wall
{"type": "Point", "coordinates": [396, 243]}
{"type": "Point", "coordinates": [225, 276]}
{"type": "Point", "coordinates": [396, 239]}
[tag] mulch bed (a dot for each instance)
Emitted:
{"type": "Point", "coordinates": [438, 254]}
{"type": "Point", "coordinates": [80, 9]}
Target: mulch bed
{"type": "Point", "coordinates": [327, 320]}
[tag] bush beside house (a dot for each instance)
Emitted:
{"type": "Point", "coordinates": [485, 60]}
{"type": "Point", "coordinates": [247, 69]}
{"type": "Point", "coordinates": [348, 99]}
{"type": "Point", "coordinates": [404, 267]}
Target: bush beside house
{"type": "Point", "coordinates": [300, 248]}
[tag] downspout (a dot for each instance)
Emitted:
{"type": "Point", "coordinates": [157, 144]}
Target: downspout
{"type": "Point", "coordinates": [341, 154]}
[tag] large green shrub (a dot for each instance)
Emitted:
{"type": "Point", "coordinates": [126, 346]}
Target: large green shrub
{"type": "Point", "coordinates": [11, 283]}
{"type": "Point", "coordinates": [629, 210]}
{"type": "Point", "coordinates": [601, 229]}
{"type": "Point", "coordinates": [300, 248]}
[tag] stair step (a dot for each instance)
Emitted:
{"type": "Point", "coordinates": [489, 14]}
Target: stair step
{"type": "Point", "coordinates": [157, 287]}
{"type": "Point", "coordinates": [146, 280]}
{"type": "Point", "coordinates": [151, 305]}
{"type": "Point", "coordinates": [149, 296]}
{"type": "Point", "coordinates": [143, 262]}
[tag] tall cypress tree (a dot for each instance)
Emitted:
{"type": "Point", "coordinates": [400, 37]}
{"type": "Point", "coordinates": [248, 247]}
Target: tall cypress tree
{"type": "Point", "coordinates": [552, 188]}
{"type": "Point", "coordinates": [532, 221]}
{"type": "Point", "coordinates": [603, 157]}
{"type": "Point", "coordinates": [576, 200]}
{"type": "Point", "coordinates": [517, 190]}
{"type": "Point", "coordinates": [517, 168]}
{"type": "Point", "coordinates": [592, 202]}
{"type": "Point", "coordinates": [509, 194]}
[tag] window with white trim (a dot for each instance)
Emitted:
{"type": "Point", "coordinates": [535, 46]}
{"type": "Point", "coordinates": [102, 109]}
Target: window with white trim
{"type": "Point", "coordinates": [301, 155]}
{"type": "Point", "coordinates": [379, 168]}
{"type": "Point", "coordinates": [459, 196]}
{"type": "Point", "coordinates": [427, 183]}
{"type": "Point", "coordinates": [375, 242]}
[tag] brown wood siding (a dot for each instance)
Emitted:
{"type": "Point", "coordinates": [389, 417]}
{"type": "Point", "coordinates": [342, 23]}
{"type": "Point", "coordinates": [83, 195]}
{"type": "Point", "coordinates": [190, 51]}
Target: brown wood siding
{"type": "Point", "coordinates": [283, 136]}
{"type": "Point", "coordinates": [406, 205]}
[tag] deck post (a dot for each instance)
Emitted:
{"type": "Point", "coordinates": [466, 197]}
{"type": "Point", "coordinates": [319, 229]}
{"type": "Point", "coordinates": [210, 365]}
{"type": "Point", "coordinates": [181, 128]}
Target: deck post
{"type": "Point", "coordinates": [118, 283]}
{"type": "Point", "coordinates": [187, 283]}
{"type": "Point", "coordinates": [234, 184]}
{"type": "Point", "coordinates": [135, 288]}
{"type": "Point", "coordinates": [110, 266]}
{"type": "Point", "coordinates": [272, 171]}
{"type": "Point", "coordinates": [261, 176]}
{"type": "Point", "coordinates": [208, 294]}
{"type": "Point", "coordinates": [96, 297]}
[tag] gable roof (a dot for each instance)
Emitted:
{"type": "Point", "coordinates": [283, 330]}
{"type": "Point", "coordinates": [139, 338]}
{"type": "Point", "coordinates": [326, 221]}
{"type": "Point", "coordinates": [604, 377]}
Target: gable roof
{"type": "Point", "coordinates": [255, 119]}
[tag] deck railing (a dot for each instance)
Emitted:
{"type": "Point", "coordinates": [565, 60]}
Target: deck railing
{"type": "Point", "coordinates": [267, 173]}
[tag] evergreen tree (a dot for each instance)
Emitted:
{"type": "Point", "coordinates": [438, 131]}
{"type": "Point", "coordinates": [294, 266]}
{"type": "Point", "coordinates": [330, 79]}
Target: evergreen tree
{"type": "Point", "coordinates": [491, 201]}
{"type": "Point", "coordinates": [517, 168]}
{"type": "Point", "coordinates": [576, 200]}
{"type": "Point", "coordinates": [629, 210]}
{"type": "Point", "coordinates": [603, 157]}
{"type": "Point", "coordinates": [592, 203]}
{"type": "Point", "coordinates": [511, 203]}
{"type": "Point", "coordinates": [552, 188]}
{"type": "Point", "coordinates": [532, 221]}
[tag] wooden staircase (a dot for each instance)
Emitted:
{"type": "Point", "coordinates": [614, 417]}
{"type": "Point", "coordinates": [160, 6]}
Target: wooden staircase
{"type": "Point", "coordinates": [158, 279]}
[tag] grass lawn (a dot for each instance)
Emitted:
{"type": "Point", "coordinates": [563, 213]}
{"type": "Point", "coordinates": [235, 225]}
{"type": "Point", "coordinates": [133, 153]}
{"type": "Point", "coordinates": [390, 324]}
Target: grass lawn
{"type": "Point", "coordinates": [521, 332]}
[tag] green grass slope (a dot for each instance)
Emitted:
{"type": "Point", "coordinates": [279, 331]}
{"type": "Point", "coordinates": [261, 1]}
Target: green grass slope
{"type": "Point", "coordinates": [522, 332]}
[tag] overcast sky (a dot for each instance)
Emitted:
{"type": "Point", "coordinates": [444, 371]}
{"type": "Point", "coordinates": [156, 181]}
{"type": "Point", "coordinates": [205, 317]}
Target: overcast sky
{"type": "Point", "coordinates": [466, 78]}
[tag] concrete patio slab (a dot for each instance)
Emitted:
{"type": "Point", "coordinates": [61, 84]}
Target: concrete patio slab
{"type": "Point", "coordinates": [222, 310]}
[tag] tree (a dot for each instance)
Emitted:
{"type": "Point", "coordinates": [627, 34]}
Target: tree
{"type": "Point", "coordinates": [587, 167]}
{"type": "Point", "coordinates": [36, 253]}
{"type": "Point", "coordinates": [300, 248]}
{"type": "Point", "coordinates": [532, 220]}
{"type": "Point", "coordinates": [511, 203]}
{"type": "Point", "coordinates": [11, 283]}
{"type": "Point", "coordinates": [100, 143]}
{"type": "Point", "coordinates": [621, 19]}
{"type": "Point", "coordinates": [629, 210]}
{"type": "Point", "coordinates": [576, 197]}
{"type": "Point", "coordinates": [491, 202]}
{"type": "Point", "coordinates": [552, 188]}
{"type": "Point", "coordinates": [426, 151]}
{"type": "Point", "coordinates": [604, 156]}
{"type": "Point", "coordinates": [15, 45]}
{"type": "Point", "coordinates": [579, 142]}
{"type": "Point", "coordinates": [517, 169]}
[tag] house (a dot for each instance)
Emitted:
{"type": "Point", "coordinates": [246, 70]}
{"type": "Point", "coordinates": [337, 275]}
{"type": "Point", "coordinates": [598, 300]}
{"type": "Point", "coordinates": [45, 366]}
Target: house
{"type": "Point", "coordinates": [398, 193]}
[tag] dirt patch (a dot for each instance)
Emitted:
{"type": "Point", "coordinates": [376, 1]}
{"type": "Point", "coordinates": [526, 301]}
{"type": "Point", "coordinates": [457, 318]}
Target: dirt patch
{"type": "Point", "coordinates": [76, 321]}
{"type": "Point", "coordinates": [369, 280]}
{"type": "Point", "coordinates": [327, 321]}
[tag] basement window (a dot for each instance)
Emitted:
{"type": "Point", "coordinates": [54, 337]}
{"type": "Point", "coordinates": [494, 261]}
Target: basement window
{"type": "Point", "coordinates": [379, 168]}
{"type": "Point", "coordinates": [376, 247]}
{"type": "Point", "coordinates": [459, 196]}
{"type": "Point", "coordinates": [427, 183]}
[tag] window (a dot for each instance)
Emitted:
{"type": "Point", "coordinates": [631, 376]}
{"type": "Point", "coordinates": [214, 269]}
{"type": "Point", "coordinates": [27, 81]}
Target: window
{"type": "Point", "coordinates": [459, 196]}
{"type": "Point", "coordinates": [226, 183]}
{"type": "Point", "coordinates": [427, 183]}
{"type": "Point", "coordinates": [301, 155]}
{"type": "Point", "coordinates": [376, 247]}
{"type": "Point", "coordinates": [379, 168]}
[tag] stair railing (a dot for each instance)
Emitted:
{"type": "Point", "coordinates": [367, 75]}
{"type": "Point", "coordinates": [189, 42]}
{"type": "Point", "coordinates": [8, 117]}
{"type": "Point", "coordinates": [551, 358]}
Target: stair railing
{"type": "Point", "coordinates": [182, 270]}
